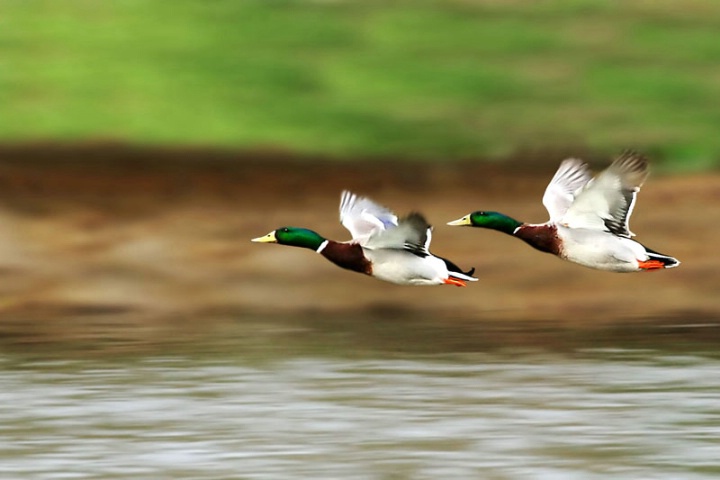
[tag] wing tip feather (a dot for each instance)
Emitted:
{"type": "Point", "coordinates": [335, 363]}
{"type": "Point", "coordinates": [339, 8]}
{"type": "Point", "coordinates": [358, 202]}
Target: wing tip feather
{"type": "Point", "coordinates": [633, 167]}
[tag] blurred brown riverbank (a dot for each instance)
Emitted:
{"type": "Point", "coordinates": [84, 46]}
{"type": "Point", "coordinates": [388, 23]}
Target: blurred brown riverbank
{"type": "Point", "coordinates": [151, 239]}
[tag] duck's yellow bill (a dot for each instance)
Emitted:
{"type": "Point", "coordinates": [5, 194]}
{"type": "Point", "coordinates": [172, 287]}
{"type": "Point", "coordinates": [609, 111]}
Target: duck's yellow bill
{"type": "Point", "coordinates": [461, 221]}
{"type": "Point", "coordinates": [269, 238]}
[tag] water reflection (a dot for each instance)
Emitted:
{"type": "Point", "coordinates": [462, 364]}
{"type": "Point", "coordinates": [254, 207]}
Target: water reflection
{"type": "Point", "coordinates": [345, 398]}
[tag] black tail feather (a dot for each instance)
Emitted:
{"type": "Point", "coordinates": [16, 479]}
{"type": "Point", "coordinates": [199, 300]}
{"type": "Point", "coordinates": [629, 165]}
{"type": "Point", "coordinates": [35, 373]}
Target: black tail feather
{"type": "Point", "coordinates": [666, 260]}
{"type": "Point", "coordinates": [454, 268]}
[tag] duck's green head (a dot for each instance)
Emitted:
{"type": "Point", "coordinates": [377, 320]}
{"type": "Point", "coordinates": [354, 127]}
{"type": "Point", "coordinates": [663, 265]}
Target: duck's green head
{"type": "Point", "coordinates": [293, 236]}
{"type": "Point", "coordinates": [491, 220]}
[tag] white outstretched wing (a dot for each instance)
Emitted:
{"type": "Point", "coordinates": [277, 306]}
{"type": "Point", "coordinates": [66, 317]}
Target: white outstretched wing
{"type": "Point", "coordinates": [572, 175]}
{"type": "Point", "coordinates": [363, 217]}
{"type": "Point", "coordinates": [412, 234]}
{"type": "Point", "coordinates": [607, 201]}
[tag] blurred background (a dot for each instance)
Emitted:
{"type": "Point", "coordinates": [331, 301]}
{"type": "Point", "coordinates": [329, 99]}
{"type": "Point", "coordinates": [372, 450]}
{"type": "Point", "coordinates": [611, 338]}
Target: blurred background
{"type": "Point", "coordinates": [143, 143]}
{"type": "Point", "coordinates": [415, 80]}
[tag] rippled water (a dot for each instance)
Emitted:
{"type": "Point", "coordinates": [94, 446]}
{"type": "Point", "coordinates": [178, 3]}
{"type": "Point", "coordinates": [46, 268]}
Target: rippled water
{"type": "Point", "coordinates": [321, 403]}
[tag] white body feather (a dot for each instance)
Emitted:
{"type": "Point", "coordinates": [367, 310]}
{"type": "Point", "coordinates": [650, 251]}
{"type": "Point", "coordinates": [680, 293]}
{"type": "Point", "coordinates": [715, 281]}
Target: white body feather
{"type": "Point", "coordinates": [405, 268]}
{"type": "Point", "coordinates": [601, 250]}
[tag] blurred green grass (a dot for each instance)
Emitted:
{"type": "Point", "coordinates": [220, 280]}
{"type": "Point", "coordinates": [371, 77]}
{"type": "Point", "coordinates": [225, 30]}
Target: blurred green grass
{"type": "Point", "coordinates": [415, 79]}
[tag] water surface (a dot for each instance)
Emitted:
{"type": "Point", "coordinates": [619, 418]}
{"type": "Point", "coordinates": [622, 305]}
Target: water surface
{"type": "Point", "coordinates": [356, 398]}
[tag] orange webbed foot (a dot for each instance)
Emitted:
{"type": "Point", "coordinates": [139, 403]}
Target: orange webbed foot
{"type": "Point", "coordinates": [651, 265]}
{"type": "Point", "coordinates": [454, 281]}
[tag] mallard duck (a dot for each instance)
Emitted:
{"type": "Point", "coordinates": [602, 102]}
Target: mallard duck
{"type": "Point", "coordinates": [588, 217]}
{"type": "Point", "coordinates": [382, 246]}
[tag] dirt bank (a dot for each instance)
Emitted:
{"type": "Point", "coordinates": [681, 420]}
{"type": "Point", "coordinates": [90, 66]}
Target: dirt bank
{"type": "Point", "coordinates": [132, 235]}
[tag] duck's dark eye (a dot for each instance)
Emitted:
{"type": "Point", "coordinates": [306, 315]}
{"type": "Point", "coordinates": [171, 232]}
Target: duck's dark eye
{"type": "Point", "coordinates": [285, 230]}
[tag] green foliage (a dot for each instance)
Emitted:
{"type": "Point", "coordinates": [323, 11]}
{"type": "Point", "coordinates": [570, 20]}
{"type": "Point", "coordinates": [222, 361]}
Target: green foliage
{"type": "Point", "coordinates": [421, 79]}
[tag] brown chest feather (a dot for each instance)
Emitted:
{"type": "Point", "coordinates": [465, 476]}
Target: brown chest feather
{"type": "Point", "coordinates": [541, 237]}
{"type": "Point", "coordinates": [347, 255]}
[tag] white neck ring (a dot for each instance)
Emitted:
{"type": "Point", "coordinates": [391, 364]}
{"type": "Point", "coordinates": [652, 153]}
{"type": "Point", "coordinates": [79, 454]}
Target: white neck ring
{"type": "Point", "coordinates": [322, 246]}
